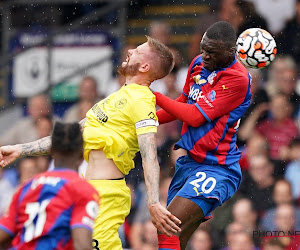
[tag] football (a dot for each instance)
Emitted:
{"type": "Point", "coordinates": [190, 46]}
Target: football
{"type": "Point", "coordinates": [256, 48]}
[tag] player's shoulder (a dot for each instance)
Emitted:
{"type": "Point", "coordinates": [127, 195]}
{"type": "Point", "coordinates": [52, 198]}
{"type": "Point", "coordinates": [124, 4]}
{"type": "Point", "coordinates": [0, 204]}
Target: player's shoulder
{"type": "Point", "coordinates": [81, 187]}
{"type": "Point", "coordinates": [136, 93]}
{"type": "Point", "coordinates": [236, 73]}
{"type": "Point", "coordinates": [195, 62]}
{"type": "Point", "coordinates": [54, 177]}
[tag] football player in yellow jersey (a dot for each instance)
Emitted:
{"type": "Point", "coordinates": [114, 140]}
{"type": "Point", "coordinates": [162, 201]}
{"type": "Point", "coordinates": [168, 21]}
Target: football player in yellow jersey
{"type": "Point", "coordinates": [113, 131]}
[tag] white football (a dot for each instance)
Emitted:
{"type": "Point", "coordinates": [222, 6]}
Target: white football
{"type": "Point", "coordinates": [256, 48]}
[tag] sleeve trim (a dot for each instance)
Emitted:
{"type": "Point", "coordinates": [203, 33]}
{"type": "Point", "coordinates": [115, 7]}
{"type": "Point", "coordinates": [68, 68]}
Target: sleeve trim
{"type": "Point", "coordinates": [184, 94]}
{"type": "Point", "coordinates": [202, 112]}
{"type": "Point", "coordinates": [7, 230]}
{"type": "Point", "coordinates": [146, 123]}
{"type": "Point", "coordinates": [82, 225]}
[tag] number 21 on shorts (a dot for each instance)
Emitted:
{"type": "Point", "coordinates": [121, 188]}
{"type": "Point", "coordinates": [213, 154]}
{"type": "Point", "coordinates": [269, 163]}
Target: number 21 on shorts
{"type": "Point", "coordinates": [202, 178]}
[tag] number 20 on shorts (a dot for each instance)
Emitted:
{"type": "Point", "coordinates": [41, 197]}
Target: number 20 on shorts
{"type": "Point", "coordinates": [206, 181]}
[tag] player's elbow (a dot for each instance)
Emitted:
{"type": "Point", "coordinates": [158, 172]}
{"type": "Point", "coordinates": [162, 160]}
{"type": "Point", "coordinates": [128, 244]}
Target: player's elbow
{"type": "Point", "coordinates": [196, 122]}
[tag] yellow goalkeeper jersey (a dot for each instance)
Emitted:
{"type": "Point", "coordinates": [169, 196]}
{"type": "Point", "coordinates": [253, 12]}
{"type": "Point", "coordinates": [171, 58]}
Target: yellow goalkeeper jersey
{"type": "Point", "coordinates": [114, 123]}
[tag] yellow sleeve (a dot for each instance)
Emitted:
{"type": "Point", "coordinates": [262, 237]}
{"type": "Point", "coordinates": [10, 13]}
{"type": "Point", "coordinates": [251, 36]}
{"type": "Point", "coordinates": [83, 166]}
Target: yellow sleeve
{"type": "Point", "coordinates": [144, 115]}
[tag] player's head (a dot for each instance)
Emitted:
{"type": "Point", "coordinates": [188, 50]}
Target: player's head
{"type": "Point", "coordinates": [67, 145]}
{"type": "Point", "coordinates": [152, 58]}
{"type": "Point", "coordinates": [217, 46]}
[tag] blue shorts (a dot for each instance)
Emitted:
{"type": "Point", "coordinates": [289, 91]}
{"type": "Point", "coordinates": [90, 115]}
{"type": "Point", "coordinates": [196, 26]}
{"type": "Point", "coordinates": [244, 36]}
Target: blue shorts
{"type": "Point", "coordinates": [208, 186]}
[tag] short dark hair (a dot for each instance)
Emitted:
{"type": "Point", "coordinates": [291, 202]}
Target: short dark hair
{"type": "Point", "coordinates": [164, 54]}
{"type": "Point", "coordinates": [67, 138]}
{"type": "Point", "coordinates": [222, 31]}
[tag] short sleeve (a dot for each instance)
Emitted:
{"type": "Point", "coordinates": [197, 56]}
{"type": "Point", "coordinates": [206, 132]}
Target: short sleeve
{"type": "Point", "coordinates": [223, 98]}
{"type": "Point", "coordinates": [144, 115]}
{"type": "Point", "coordinates": [8, 222]}
{"type": "Point", "coordinates": [86, 206]}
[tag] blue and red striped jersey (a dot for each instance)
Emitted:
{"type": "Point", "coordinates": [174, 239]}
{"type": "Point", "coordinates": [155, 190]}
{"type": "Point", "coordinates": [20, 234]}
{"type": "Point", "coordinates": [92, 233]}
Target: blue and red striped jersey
{"type": "Point", "coordinates": [44, 211]}
{"type": "Point", "coordinates": [222, 96]}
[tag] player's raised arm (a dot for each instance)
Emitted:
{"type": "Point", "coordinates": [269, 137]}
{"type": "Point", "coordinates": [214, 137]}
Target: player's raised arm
{"type": "Point", "coordinates": [9, 154]}
{"type": "Point", "coordinates": [163, 220]}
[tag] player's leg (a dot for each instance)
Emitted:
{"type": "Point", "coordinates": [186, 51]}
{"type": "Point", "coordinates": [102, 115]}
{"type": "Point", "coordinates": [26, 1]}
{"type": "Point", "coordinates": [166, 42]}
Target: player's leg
{"type": "Point", "coordinates": [190, 214]}
{"type": "Point", "coordinates": [194, 192]}
{"type": "Point", "coordinates": [114, 207]}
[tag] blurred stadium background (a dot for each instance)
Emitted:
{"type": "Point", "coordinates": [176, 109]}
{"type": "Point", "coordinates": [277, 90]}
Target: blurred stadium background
{"type": "Point", "coordinates": [69, 51]}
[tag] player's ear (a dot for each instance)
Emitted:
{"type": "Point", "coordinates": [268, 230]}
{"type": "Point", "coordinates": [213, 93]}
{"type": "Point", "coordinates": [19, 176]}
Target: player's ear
{"type": "Point", "coordinates": [145, 67]}
{"type": "Point", "coordinates": [232, 50]}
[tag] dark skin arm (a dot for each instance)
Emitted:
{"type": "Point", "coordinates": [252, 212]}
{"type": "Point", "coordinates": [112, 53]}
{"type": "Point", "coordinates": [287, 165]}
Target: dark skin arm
{"type": "Point", "coordinates": [82, 238]}
{"type": "Point", "coordinates": [5, 239]}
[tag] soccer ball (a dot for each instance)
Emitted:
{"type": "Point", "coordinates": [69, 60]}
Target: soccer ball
{"type": "Point", "coordinates": [256, 48]}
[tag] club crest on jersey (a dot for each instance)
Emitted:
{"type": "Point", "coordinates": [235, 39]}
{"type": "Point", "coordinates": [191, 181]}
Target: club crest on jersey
{"type": "Point", "coordinates": [121, 103]}
{"type": "Point", "coordinates": [211, 77]}
{"type": "Point", "coordinates": [198, 80]}
{"type": "Point", "coordinates": [211, 95]}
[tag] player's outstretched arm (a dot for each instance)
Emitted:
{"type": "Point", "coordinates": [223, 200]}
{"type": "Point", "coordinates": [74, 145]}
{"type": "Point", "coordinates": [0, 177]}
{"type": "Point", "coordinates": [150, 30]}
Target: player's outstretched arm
{"type": "Point", "coordinates": [162, 219]}
{"type": "Point", "coordinates": [9, 154]}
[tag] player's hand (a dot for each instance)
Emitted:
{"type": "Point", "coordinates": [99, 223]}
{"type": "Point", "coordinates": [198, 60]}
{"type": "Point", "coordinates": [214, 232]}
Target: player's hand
{"type": "Point", "coordinates": [163, 220]}
{"type": "Point", "coordinates": [9, 154]}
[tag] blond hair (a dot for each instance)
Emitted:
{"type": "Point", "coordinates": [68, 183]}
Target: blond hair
{"type": "Point", "coordinates": [165, 56]}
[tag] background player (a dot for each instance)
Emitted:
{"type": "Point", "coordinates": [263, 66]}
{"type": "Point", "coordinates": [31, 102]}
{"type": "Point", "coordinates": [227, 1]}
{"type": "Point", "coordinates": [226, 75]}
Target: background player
{"type": "Point", "coordinates": [56, 209]}
{"type": "Point", "coordinates": [114, 130]}
{"type": "Point", "coordinates": [215, 96]}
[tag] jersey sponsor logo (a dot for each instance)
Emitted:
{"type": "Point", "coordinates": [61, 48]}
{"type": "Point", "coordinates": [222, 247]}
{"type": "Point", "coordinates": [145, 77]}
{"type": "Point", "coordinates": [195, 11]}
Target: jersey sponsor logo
{"type": "Point", "coordinates": [121, 103]}
{"type": "Point", "coordinates": [211, 77]}
{"type": "Point", "coordinates": [45, 180]}
{"type": "Point", "coordinates": [146, 123]}
{"type": "Point", "coordinates": [195, 94]}
{"type": "Point", "coordinates": [198, 80]}
{"type": "Point", "coordinates": [101, 116]}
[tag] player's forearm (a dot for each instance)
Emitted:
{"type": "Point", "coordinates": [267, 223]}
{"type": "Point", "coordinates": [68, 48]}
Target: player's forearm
{"type": "Point", "coordinates": [148, 151]}
{"type": "Point", "coordinates": [164, 117]}
{"type": "Point", "coordinates": [182, 111]}
{"type": "Point", "coordinates": [41, 146]}
{"type": "Point", "coordinates": [38, 147]}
